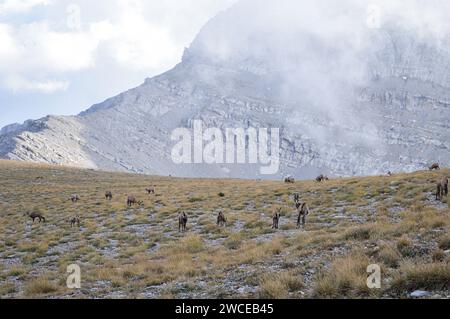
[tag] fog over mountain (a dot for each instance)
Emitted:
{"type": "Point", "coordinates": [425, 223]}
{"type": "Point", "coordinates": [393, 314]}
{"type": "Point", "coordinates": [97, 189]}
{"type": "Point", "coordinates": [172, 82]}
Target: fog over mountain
{"type": "Point", "coordinates": [356, 89]}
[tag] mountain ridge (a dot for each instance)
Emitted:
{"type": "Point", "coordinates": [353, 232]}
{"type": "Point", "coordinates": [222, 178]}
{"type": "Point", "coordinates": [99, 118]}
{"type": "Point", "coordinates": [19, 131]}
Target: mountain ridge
{"type": "Point", "coordinates": [373, 103]}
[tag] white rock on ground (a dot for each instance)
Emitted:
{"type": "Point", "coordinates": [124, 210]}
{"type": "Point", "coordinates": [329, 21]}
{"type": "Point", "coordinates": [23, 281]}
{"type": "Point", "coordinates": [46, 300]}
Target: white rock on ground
{"type": "Point", "coordinates": [420, 294]}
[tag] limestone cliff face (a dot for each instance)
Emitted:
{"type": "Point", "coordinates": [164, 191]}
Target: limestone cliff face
{"type": "Point", "coordinates": [349, 100]}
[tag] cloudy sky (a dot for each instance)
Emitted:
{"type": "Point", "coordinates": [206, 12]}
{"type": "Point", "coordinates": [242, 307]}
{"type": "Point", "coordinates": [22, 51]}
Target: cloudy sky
{"type": "Point", "coordinates": [62, 56]}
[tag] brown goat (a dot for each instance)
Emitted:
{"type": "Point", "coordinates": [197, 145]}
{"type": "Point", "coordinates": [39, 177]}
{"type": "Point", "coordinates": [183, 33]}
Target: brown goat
{"type": "Point", "coordinates": [322, 178]}
{"type": "Point", "coordinates": [34, 216]}
{"type": "Point", "coordinates": [435, 166]}
{"type": "Point", "coordinates": [75, 221]}
{"type": "Point", "coordinates": [182, 222]}
{"type": "Point", "coordinates": [131, 200]}
{"type": "Point", "coordinates": [289, 180]}
{"type": "Point", "coordinates": [445, 185]}
{"type": "Point", "coordinates": [74, 198]}
{"type": "Point", "coordinates": [303, 211]}
{"type": "Point", "coordinates": [297, 202]}
{"type": "Point", "coordinates": [151, 190]}
{"type": "Point", "coordinates": [442, 189]}
{"type": "Point", "coordinates": [221, 219]}
{"type": "Point", "coordinates": [108, 195]}
{"type": "Point", "coordinates": [276, 219]}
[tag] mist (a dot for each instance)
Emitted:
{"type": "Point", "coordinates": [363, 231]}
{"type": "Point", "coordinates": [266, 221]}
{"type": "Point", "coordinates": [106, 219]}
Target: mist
{"type": "Point", "coordinates": [323, 53]}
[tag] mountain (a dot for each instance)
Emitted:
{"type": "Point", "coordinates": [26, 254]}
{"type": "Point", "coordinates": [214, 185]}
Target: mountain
{"type": "Point", "coordinates": [350, 98]}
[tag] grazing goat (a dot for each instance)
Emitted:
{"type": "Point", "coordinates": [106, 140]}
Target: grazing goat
{"type": "Point", "coordinates": [221, 219]}
{"type": "Point", "coordinates": [321, 178]}
{"type": "Point", "coordinates": [131, 200]}
{"type": "Point", "coordinates": [151, 190]}
{"type": "Point", "coordinates": [182, 222]}
{"type": "Point", "coordinates": [276, 219]}
{"type": "Point", "coordinates": [435, 166]}
{"type": "Point", "coordinates": [34, 216]}
{"type": "Point", "coordinates": [442, 189]}
{"type": "Point", "coordinates": [108, 195]}
{"type": "Point", "coordinates": [289, 180]}
{"type": "Point", "coordinates": [74, 198]}
{"type": "Point", "coordinates": [75, 221]}
{"type": "Point", "coordinates": [302, 213]}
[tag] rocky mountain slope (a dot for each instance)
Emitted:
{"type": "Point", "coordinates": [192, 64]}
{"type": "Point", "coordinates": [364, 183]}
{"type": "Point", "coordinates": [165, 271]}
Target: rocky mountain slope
{"type": "Point", "coordinates": [349, 99]}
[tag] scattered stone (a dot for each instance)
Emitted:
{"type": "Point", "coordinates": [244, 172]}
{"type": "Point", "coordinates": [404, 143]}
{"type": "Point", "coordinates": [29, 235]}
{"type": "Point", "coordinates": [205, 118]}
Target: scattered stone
{"type": "Point", "coordinates": [420, 294]}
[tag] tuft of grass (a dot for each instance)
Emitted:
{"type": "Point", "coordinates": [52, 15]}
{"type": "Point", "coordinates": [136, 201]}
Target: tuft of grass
{"type": "Point", "coordinates": [7, 288]}
{"type": "Point", "coordinates": [346, 278]}
{"type": "Point", "coordinates": [40, 286]}
{"type": "Point", "coordinates": [389, 256]}
{"type": "Point", "coordinates": [272, 289]}
{"type": "Point", "coordinates": [406, 248]}
{"type": "Point", "coordinates": [444, 243]}
{"type": "Point", "coordinates": [234, 241]}
{"type": "Point", "coordinates": [430, 276]}
{"type": "Point", "coordinates": [17, 272]}
{"type": "Point", "coordinates": [278, 286]}
{"type": "Point", "coordinates": [192, 244]}
{"type": "Point", "coordinates": [438, 255]}
{"type": "Point", "coordinates": [359, 233]}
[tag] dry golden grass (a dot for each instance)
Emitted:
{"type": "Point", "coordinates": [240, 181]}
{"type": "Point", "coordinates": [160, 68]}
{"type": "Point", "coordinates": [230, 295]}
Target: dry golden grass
{"type": "Point", "coordinates": [413, 276]}
{"type": "Point", "coordinates": [40, 286]}
{"type": "Point", "coordinates": [279, 285]}
{"type": "Point", "coordinates": [346, 277]}
{"type": "Point", "coordinates": [389, 256]}
{"type": "Point", "coordinates": [138, 252]}
{"type": "Point", "coordinates": [444, 243]}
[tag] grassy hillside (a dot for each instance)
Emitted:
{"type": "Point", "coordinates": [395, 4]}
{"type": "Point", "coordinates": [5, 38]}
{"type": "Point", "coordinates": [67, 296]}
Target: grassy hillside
{"type": "Point", "coordinates": [138, 252]}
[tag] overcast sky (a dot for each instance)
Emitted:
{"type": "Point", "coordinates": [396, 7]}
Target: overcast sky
{"type": "Point", "coordinates": [62, 56]}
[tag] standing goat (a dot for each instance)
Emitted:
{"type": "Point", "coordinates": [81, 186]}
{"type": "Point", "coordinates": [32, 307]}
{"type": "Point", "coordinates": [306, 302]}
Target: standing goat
{"type": "Point", "coordinates": [303, 211]}
{"type": "Point", "coordinates": [34, 216]}
{"type": "Point", "coordinates": [131, 200]}
{"type": "Point", "coordinates": [322, 178]}
{"type": "Point", "coordinates": [182, 222]}
{"type": "Point", "coordinates": [435, 166]}
{"type": "Point", "coordinates": [221, 219]}
{"type": "Point", "coordinates": [276, 219]}
{"type": "Point", "coordinates": [442, 189]}
{"type": "Point", "coordinates": [75, 221]}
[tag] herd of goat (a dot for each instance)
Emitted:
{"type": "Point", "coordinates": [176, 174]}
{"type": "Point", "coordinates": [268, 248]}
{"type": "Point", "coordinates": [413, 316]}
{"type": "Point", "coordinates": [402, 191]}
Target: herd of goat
{"type": "Point", "coordinates": [301, 207]}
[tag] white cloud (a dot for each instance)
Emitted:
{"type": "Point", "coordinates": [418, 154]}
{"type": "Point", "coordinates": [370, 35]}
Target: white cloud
{"type": "Point", "coordinates": [14, 6]}
{"type": "Point", "coordinates": [132, 35]}
{"type": "Point", "coordinates": [136, 42]}
{"type": "Point", "coordinates": [8, 47]}
{"type": "Point", "coordinates": [20, 84]}
{"type": "Point", "coordinates": [66, 51]}
{"type": "Point", "coordinates": [52, 51]}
